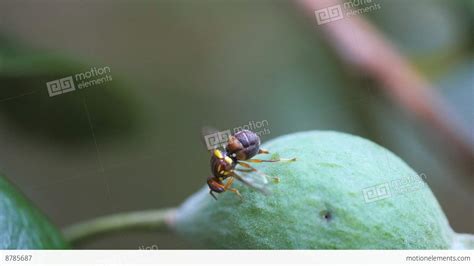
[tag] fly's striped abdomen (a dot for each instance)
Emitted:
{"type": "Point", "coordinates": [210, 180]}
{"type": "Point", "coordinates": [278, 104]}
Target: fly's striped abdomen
{"type": "Point", "coordinates": [244, 144]}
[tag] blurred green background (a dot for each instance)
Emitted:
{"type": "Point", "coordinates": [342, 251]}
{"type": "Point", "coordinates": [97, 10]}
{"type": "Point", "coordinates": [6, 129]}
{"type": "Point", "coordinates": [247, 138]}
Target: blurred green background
{"type": "Point", "coordinates": [135, 142]}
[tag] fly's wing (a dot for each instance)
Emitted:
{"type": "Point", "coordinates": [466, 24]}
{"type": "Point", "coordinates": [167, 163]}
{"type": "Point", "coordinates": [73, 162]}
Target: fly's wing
{"type": "Point", "coordinates": [213, 138]}
{"type": "Point", "coordinates": [253, 179]}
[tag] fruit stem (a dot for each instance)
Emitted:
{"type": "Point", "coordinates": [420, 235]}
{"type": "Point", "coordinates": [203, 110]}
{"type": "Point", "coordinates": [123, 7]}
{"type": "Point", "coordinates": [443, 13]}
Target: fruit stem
{"type": "Point", "coordinates": [160, 219]}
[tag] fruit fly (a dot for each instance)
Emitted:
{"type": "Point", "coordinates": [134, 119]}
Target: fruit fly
{"type": "Point", "coordinates": [239, 151]}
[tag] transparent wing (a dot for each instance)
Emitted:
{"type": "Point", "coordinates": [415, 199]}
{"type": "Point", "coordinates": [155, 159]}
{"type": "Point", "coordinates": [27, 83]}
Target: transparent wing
{"type": "Point", "coordinates": [207, 130]}
{"type": "Point", "coordinates": [254, 179]}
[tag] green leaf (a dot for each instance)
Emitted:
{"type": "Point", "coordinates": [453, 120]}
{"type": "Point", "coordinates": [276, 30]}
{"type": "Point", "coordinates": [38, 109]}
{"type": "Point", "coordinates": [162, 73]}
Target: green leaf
{"type": "Point", "coordinates": [324, 200]}
{"type": "Point", "coordinates": [23, 226]}
{"type": "Point", "coordinates": [109, 107]}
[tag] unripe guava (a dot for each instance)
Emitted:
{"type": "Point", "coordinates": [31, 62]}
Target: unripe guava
{"type": "Point", "coordinates": [343, 192]}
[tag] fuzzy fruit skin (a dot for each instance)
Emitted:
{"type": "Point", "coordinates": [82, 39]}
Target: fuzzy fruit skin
{"type": "Point", "coordinates": [319, 202]}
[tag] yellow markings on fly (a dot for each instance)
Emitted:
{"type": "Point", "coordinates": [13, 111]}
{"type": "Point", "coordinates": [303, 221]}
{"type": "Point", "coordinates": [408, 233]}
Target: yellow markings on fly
{"type": "Point", "coordinates": [224, 173]}
{"type": "Point", "coordinates": [218, 154]}
{"type": "Point", "coordinates": [228, 160]}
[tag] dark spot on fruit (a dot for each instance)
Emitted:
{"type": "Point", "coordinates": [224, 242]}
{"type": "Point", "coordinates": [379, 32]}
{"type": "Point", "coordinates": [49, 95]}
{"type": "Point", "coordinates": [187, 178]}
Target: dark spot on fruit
{"type": "Point", "coordinates": [326, 215]}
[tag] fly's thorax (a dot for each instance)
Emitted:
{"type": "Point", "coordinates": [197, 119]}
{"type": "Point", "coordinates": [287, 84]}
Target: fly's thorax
{"type": "Point", "coordinates": [221, 164]}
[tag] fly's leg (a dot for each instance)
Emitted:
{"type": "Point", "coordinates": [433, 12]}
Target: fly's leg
{"type": "Point", "coordinates": [270, 161]}
{"type": "Point", "coordinates": [263, 151]}
{"type": "Point", "coordinates": [215, 184]}
{"type": "Point", "coordinates": [212, 194]}
{"type": "Point", "coordinates": [228, 185]}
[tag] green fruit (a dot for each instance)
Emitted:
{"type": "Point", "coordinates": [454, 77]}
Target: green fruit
{"type": "Point", "coordinates": [22, 226]}
{"type": "Point", "coordinates": [319, 202]}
